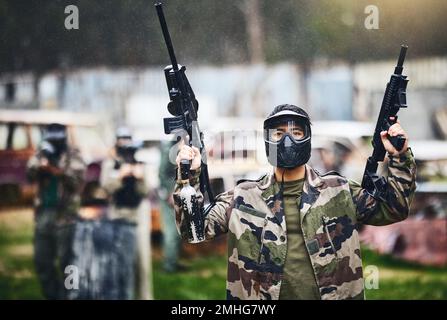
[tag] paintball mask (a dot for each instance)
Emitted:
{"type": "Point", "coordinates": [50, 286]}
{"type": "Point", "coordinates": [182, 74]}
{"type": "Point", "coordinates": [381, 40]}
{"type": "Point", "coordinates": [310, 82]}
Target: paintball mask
{"type": "Point", "coordinates": [287, 136]}
{"type": "Point", "coordinates": [54, 142]}
{"type": "Point", "coordinates": [125, 147]}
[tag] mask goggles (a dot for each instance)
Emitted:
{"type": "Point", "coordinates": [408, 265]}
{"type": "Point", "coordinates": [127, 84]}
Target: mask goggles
{"type": "Point", "coordinates": [296, 130]}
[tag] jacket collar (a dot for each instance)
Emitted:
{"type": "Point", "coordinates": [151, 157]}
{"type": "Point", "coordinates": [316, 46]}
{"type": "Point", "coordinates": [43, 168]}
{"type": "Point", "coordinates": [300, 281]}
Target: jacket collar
{"type": "Point", "coordinates": [312, 179]}
{"type": "Point", "coordinates": [311, 190]}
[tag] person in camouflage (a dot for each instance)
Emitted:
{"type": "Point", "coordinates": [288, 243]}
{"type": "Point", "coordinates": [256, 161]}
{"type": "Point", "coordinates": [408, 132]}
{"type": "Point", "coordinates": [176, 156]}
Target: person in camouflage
{"type": "Point", "coordinates": [106, 247]}
{"type": "Point", "coordinates": [123, 178]}
{"type": "Point", "coordinates": [293, 233]}
{"type": "Point", "coordinates": [58, 170]}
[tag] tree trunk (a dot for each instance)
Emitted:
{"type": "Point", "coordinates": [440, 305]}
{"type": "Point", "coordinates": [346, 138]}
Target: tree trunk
{"type": "Point", "coordinates": [255, 31]}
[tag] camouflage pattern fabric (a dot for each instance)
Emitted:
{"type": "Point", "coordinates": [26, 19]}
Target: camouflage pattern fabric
{"type": "Point", "coordinates": [332, 209]}
{"type": "Point", "coordinates": [52, 254]}
{"type": "Point", "coordinates": [54, 226]}
{"type": "Point", "coordinates": [69, 184]}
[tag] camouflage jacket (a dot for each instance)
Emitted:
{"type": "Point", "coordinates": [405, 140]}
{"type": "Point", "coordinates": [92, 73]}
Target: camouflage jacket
{"type": "Point", "coordinates": [69, 186]}
{"type": "Point", "coordinates": [332, 209]}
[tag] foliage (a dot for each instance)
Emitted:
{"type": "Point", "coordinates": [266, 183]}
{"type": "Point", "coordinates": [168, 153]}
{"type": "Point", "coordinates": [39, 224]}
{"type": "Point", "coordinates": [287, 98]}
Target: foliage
{"type": "Point", "coordinates": [126, 32]}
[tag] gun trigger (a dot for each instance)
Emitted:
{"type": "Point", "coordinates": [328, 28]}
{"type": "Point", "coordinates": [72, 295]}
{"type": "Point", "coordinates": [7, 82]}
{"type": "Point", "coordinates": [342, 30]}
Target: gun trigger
{"type": "Point", "coordinates": [392, 120]}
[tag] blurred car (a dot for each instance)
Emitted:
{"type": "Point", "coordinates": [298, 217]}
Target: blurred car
{"type": "Point", "coordinates": [20, 134]}
{"type": "Point", "coordinates": [431, 159]}
{"type": "Point", "coordinates": [422, 237]}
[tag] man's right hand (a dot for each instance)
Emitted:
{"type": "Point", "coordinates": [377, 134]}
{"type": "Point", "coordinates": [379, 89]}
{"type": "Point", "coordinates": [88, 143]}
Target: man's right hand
{"type": "Point", "coordinates": [44, 162]}
{"type": "Point", "coordinates": [190, 153]}
{"type": "Point", "coordinates": [46, 166]}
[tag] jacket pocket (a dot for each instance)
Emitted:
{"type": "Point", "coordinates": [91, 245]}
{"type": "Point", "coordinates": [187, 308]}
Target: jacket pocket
{"type": "Point", "coordinates": [325, 221]}
{"type": "Point", "coordinates": [260, 221]}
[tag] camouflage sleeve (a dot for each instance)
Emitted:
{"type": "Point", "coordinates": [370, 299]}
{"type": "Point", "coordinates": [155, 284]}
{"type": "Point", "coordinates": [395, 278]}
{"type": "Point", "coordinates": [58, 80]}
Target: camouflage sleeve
{"type": "Point", "coordinates": [401, 187]}
{"type": "Point", "coordinates": [216, 221]}
{"type": "Point", "coordinates": [74, 170]}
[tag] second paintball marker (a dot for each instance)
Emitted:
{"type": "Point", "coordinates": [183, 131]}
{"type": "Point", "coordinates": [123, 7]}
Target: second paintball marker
{"type": "Point", "coordinates": [393, 100]}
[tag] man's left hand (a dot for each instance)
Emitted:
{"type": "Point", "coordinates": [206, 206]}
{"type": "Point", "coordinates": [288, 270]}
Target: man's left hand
{"type": "Point", "coordinates": [393, 131]}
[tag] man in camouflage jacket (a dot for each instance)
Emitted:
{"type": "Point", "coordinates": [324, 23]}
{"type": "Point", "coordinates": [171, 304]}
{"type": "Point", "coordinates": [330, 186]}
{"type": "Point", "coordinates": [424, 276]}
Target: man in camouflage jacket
{"type": "Point", "coordinates": [58, 170]}
{"type": "Point", "coordinates": [331, 210]}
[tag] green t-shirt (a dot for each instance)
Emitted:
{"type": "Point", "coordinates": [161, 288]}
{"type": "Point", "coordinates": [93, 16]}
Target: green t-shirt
{"type": "Point", "coordinates": [49, 192]}
{"type": "Point", "coordinates": [298, 281]}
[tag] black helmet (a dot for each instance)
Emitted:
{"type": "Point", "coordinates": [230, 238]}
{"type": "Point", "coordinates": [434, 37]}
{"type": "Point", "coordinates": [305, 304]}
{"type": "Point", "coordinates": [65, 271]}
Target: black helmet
{"type": "Point", "coordinates": [55, 131]}
{"type": "Point", "coordinates": [55, 134]}
{"type": "Point", "coordinates": [123, 133]}
{"type": "Point", "coordinates": [287, 136]}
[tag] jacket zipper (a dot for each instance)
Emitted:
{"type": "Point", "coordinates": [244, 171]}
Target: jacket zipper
{"type": "Point", "coordinates": [326, 229]}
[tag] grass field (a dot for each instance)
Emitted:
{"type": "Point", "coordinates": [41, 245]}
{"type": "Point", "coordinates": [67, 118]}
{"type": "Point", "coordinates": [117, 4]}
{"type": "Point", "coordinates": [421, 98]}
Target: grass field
{"type": "Point", "coordinates": [205, 276]}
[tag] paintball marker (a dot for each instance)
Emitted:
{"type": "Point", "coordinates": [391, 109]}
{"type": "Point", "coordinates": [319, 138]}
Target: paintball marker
{"type": "Point", "coordinates": [184, 106]}
{"type": "Point", "coordinates": [393, 100]}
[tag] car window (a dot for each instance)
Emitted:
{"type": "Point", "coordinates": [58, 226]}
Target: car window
{"type": "Point", "coordinates": [3, 136]}
{"type": "Point", "coordinates": [19, 138]}
{"type": "Point", "coordinates": [36, 135]}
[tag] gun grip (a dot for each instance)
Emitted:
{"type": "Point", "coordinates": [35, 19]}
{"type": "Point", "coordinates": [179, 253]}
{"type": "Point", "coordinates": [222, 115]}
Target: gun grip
{"type": "Point", "coordinates": [184, 169]}
{"type": "Point", "coordinates": [397, 141]}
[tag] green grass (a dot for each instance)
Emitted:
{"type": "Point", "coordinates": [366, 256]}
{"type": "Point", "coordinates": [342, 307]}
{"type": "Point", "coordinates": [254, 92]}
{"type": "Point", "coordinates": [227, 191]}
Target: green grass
{"type": "Point", "coordinates": [17, 275]}
{"type": "Point", "coordinates": [205, 276]}
{"type": "Point", "coordinates": [404, 280]}
{"type": "Point", "coordinates": [203, 280]}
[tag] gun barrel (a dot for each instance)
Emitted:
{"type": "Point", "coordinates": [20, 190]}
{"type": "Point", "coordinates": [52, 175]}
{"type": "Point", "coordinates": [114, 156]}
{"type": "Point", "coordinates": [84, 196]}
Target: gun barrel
{"type": "Point", "coordinates": [400, 61]}
{"type": "Point", "coordinates": [166, 35]}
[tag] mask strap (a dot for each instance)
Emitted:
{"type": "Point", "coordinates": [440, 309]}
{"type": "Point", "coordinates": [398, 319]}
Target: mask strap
{"type": "Point", "coordinates": [281, 186]}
